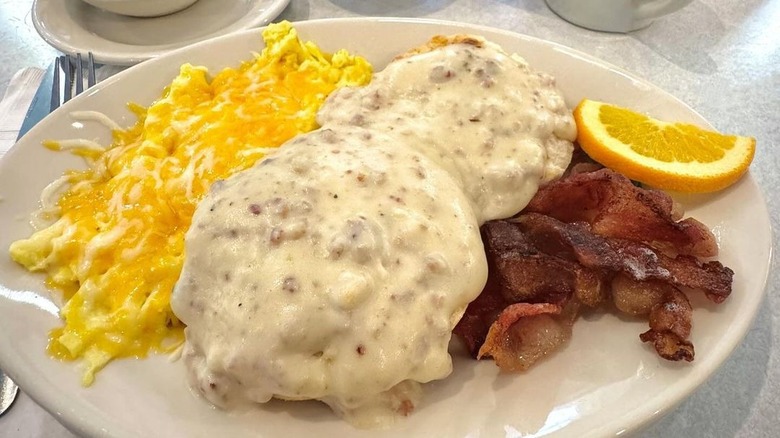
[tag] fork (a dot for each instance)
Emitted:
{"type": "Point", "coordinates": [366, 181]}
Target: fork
{"type": "Point", "coordinates": [73, 69]}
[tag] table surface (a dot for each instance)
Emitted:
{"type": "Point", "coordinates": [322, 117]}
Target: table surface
{"type": "Point", "coordinates": [722, 57]}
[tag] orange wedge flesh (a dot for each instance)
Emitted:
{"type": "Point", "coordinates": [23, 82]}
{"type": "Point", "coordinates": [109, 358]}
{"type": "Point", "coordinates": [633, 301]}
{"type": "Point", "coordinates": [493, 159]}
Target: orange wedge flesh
{"type": "Point", "coordinates": [669, 156]}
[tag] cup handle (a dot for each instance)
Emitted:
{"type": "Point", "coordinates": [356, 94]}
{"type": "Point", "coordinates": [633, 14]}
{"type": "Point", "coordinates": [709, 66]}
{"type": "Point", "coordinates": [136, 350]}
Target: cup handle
{"type": "Point", "coordinates": [655, 8]}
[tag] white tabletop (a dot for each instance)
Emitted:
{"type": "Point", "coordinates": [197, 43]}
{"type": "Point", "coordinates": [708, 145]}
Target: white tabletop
{"type": "Point", "coordinates": [722, 57]}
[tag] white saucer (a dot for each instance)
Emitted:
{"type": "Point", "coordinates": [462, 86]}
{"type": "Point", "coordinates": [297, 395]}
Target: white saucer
{"type": "Point", "coordinates": [74, 26]}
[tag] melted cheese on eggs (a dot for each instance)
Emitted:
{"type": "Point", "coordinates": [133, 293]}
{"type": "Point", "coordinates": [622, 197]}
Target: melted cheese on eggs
{"type": "Point", "coordinates": [116, 246]}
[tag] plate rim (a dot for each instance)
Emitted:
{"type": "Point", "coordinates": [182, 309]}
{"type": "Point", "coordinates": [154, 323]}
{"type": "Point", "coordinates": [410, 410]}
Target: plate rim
{"type": "Point", "coordinates": [134, 54]}
{"type": "Point", "coordinates": [634, 422]}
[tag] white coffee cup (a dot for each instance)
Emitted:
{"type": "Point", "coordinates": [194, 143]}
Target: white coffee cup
{"type": "Point", "coordinates": [141, 8]}
{"type": "Point", "coordinates": [614, 15]}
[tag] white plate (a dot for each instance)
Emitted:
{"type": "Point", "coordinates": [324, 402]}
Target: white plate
{"type": "Point", "coordinates": [74, 26]}
{"type": "Point", "coordinates": [603, 383]}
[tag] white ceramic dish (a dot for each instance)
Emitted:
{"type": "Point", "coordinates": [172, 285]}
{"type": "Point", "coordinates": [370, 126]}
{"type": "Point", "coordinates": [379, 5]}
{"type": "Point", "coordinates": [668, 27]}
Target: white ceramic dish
{"type": "Point", "coordinates": [605, 382]}
{"type": "Point", "coordinates": [74, 26]}
{"type": "Point", "coordinates": [141, 8]}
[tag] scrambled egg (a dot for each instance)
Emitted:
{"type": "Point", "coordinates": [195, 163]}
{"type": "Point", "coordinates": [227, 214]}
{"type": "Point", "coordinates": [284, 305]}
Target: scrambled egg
{"type": "Point", "coordinates": [116, 247]}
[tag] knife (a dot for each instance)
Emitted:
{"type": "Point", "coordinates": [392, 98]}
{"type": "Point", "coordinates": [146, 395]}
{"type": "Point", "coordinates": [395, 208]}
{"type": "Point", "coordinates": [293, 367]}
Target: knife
{"type": "Point", "coordinates": [40, 106]}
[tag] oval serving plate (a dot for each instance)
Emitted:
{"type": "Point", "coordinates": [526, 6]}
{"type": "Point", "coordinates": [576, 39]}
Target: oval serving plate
{"type": "Point", "coordinates": [604, 382]}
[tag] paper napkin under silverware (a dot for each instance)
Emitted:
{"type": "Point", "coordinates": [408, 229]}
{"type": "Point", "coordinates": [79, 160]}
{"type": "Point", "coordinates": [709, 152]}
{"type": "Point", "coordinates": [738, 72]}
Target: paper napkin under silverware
{"type": "Point", "coordinates": [16, 100]}
{"type": "Point", "coordinates": [20, 94]}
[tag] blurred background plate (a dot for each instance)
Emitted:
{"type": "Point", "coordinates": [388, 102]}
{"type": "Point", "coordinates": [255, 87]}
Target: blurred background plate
{"type": "Point", "coordinates": [75, 26]}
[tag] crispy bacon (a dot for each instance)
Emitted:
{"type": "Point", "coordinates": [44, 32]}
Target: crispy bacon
{"type": "Point", "coordinates": [614, 207]}
{"type": "Point", "coordinates": [524, 333]}
{"type": "Point", "coordinates": [587, 239]}
{"type": "Point", "coordinates": [576, 242]}
{"type": "Point", "coordinates": [519, 273]}
{"type": "Point", "coordinates": [522, 272]}
{"type": "Point", "coordinates": [670, 314]}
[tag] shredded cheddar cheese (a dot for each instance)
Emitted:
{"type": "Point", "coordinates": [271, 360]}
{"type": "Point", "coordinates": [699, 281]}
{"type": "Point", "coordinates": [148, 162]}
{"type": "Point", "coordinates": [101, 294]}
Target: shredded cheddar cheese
{"type": "Point", "coordinates": [116, 246]}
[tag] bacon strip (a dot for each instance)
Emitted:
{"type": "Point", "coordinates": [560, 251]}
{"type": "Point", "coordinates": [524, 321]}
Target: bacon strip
{"type": "Point", "coordinates": [539, 265]}
{"type": "Point", "coordinates": [614, 207]}
{"type": "Point", "coordinates": [670, 327]}
{"type": "Point", "coordinates": [590, 237]}
{"type": "Point", "coordinates": [670, 314]}
{"type": "Point", "coordinates": [523, 334]}
{"type": "Point", "coordinates": [522, 272]}
{"type": "Point", "coordinates": [519, 273]}
{"type": "Point", "coordinates": [576, 242]}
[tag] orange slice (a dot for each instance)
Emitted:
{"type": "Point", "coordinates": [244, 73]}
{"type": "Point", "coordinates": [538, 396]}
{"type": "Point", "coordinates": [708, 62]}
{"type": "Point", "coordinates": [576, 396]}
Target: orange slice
{"type": "Point", "coordinates": [670, 156]}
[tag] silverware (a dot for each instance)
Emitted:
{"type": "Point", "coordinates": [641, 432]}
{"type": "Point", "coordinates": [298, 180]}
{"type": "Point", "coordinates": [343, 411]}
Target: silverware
{"type": "Point", "coordinates": [47, 98]}
{"type": "Point", "coordinates": [72, 67]}
{"type": "Point", "coordinates": [8, 392]}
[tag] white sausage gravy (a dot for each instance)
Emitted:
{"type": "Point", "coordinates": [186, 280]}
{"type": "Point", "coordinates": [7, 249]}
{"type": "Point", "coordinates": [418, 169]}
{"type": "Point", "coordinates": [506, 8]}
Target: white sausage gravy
{"type": "Point", "coordinates": [336, 268]}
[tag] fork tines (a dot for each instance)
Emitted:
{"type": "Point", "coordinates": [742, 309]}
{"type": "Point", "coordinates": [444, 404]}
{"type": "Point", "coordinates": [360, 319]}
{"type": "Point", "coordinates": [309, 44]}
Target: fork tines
{"type": "Point", "coordinates": [72, 68]}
